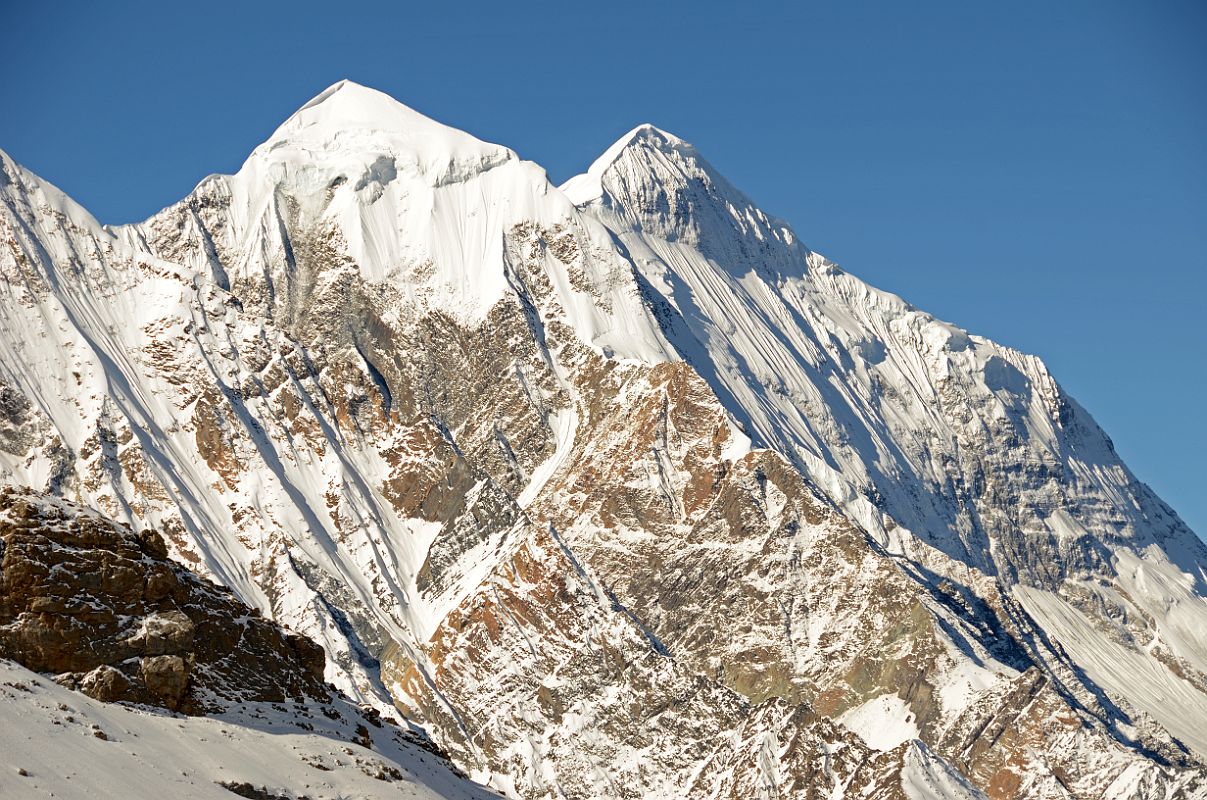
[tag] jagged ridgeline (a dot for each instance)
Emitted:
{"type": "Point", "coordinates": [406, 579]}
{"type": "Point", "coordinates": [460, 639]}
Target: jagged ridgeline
{"type": "Point", "coordinates": [616, 488]}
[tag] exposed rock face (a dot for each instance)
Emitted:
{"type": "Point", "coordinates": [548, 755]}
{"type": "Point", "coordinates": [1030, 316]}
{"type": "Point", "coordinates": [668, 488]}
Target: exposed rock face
{"type": "Point", "coordinates": [560, 693]}
{"type": "Point", "coordinates": [104, 609]}
{"type": "Point", "coordinates": [618, 489]}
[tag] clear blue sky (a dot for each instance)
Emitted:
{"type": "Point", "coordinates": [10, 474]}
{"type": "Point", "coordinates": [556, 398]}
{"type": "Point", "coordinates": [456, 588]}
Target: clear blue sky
{"type": "Point", "coordinates": [1034, 171]}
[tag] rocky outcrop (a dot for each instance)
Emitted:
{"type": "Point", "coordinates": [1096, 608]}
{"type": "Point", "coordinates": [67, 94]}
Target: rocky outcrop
{"type": "Point", "coordinates": [104, 609]}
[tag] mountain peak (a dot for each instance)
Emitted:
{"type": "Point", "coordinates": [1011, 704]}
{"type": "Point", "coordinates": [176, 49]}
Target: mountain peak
{"type": "Point", "coordinates": [653, 181]}
{"type": "Point", "coordinates": [647, 133]}
{"type": "Point", "coordinates": [348, 117]}
{"type": "Point", "coordinates": [344, 84]}
{"type": "Point", "coordinates": [584, 188]}
{"type": "Point", "coordinates": [349, 103]}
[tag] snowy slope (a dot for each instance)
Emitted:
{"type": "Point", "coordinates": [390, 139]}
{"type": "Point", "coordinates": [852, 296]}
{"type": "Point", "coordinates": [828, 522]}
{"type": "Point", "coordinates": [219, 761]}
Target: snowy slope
{"type": "Point", "coordinates": [928, 778]}
{"type": "Point", "coordinates": [58, 743]}
{"type": "Point", "coordinates": [1150, 685]}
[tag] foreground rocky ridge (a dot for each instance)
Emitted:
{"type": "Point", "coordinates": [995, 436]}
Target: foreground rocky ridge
{"type": "Point", "coordinates": [619, 490]}
{"type": "Point", "coordinates": [102, 610]}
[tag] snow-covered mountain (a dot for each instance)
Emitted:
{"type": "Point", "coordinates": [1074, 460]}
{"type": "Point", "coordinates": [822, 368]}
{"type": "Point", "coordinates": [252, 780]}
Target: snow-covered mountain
{"type": "Point", "coordinates": [616, 488]}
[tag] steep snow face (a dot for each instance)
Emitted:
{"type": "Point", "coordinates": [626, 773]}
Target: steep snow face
{"type": "Point", "coordinates": [656, 183]}
{"type": "Point", "coordinates": [349, 119]}
{"type": "Point", "coordinates": [393, 185]}
{"type": "Point", "coordinates": [359, 163]}
{"type": "Point", "coordinates": [928, 436]}
{"type": "Point", "coordinates": [1172, 700]}
{"type": "Point", "coordinates": [357, 184]}
{"type": "Point", "coordinates": [588, 187]}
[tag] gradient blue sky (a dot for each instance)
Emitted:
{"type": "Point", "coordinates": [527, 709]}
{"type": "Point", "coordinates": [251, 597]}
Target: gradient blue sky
{"type": "Point", "coordinates": [1033, 171]}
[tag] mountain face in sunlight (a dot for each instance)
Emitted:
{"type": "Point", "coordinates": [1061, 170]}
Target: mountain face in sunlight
{"type": "Point", "coordinates": [615, 489]}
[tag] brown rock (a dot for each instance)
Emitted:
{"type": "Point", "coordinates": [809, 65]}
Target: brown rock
{"type": "Point", "coordinates": [101, 606]}
{"type": "Point", "coordinates": [105, 683]}
{"type": "Point", "coordinates": [153, 544]}
{"type": "Point", "coordinates": [160, 583]}
{"type": "Point", "coordinates": [166, 678]}
{"type": "Point", "coordinates": [167, 632]}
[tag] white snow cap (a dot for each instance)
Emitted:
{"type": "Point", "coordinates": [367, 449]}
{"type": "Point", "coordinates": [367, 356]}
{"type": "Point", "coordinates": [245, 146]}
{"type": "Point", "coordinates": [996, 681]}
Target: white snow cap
{"type": "Point", "coordinates": [348, 115]}
{"type": "Point", "coordinates": [584, 188]}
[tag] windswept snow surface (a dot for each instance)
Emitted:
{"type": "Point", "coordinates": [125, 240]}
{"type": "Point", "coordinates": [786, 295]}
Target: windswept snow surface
{"type": "Point", "coordinates": [58, 743]}
{"type": "Point", "coordinates": [925, 777]}
{"type": "Point", "coordinates": [882, 722]}
{"type": "Point", "coordinates": [1135, 675]}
